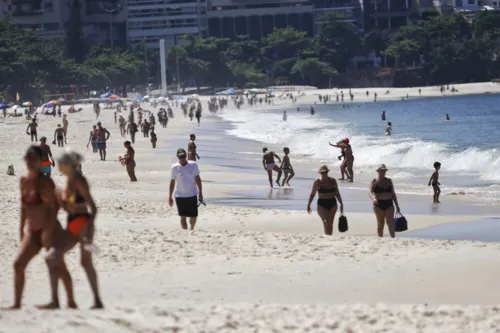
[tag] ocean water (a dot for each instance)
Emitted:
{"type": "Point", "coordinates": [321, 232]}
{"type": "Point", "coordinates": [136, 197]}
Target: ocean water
{"type": "Point", "coordinates": [468, 145]}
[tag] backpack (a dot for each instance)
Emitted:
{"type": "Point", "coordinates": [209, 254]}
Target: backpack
{"type": "Point", "coordinates": [10, 170]}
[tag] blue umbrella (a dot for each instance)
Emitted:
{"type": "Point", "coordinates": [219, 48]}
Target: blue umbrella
{"type": "Point", "coordinates": [3, 106]}
{"type": "Point", "coordinates": [48, 105]}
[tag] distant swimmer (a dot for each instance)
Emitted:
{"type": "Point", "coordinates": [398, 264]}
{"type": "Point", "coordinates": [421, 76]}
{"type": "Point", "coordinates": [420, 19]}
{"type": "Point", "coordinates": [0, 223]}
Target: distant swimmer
{"type": "Point", "coordinates": [270, 165]}
{"type": "Point", "coordinates": [286, 166]}
{"type": "Point", "coordinates": [346, 168]}
{"type": "Point", "coordinates": [298, 109]}
{"type": "Point", "coordinates": [284, 116]}
{"type": "Point", "coordinates": [447, 117]}
{"type": "Point", "coordinates": [312, 110]}
{"type": "Point", "coordinates": [383, 115]}
{"type": "Point", "coordinates": [388, 129]}
{"type": "Point", "coordinates": [434, 181]}
{"type": "Point", "coordinates": [328, 194]}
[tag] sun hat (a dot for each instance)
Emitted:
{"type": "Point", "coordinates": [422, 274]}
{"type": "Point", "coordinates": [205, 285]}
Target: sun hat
{"type": "Point", "coordinates": [382, 167]}
{"type": "Point", "coordinates": [323, 169]}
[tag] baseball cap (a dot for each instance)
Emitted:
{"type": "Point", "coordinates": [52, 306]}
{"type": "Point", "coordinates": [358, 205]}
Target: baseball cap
{"type": "Point", "coordinates": [181, 152]}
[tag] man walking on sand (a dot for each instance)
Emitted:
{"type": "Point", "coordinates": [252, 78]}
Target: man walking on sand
{"type": "Point", "coordinates": [102, 135]}
{"type": "Point", "coordinates": [186, 175]}
{"type": "Point", "coordinates": [270, 165]}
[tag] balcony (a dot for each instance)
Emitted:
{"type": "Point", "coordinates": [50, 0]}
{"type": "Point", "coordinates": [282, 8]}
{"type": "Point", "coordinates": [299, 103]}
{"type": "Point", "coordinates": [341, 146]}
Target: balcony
{"type": "Point", "coordinates": [24, 13]}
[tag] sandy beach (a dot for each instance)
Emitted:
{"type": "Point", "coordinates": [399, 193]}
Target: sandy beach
{"type": "Point", "coordinates": [257, 261]}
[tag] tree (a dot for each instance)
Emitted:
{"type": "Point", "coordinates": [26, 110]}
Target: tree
{"type": "Point", "coordinates": [313, 71]}
{"type": "Point", "coordinates": [75, 42]}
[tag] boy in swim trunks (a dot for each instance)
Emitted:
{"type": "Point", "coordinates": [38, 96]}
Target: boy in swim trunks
{"type": "Point", "coordinates": [47, 159]}
{"type": "Point", "coordinates": [434, 181]}
{"type": "Point", "coordinates": [286, 166]}
{"type": "Point", "coordinates": [270, 165]}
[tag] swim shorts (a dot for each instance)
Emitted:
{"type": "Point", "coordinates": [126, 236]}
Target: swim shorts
{"type": "Point", "coordinates": [187, 206]}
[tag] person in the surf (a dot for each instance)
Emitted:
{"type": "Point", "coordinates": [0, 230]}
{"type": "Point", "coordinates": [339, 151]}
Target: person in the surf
{"type": "Point", "coordinates": [447, 117]}
{"type": "Point", "coordinates": [270, 165]}
{"type": "Point", "coordinates": [388, 129]}
{"type": "Point", "coordinates": [434, 181]}
{"type": "Point", "coordinates": [284, 116]}
{"type": "Point", "coordinates": [346, 168]}
{"type": "Point", "coordinates": [383, 115]}
{"type": "Point", "coordinates": [312, 110]}
{"type": "Point", "coordinates": [287, 168]}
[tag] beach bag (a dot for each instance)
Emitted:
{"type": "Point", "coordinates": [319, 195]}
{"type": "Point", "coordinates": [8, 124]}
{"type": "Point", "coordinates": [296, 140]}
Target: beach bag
{"type": "Point", "coordinates": [400, 223]}
{"type": "Point", "coordinates": [343, 226]}
{"type": "Point", "coordinates": [10, 170]}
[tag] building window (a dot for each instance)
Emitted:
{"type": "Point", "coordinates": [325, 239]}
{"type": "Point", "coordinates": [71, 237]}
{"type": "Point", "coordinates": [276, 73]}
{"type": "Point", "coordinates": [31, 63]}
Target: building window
{"type": "Point", "coordinates": [459, 3]}
{"type": "Point", "coordinates": [47, 7]}
{"type": "Point", "coordinates": [471, 2]}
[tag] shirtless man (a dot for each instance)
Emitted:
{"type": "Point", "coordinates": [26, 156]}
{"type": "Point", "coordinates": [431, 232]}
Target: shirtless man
{"type": "Point", "coordinates": [47, 159]}
{"type": "Point", "coordinates": [102, 135]}
{"type": "Point", "coordinates": [65, 127]}
{"type": "Point", "coordinates": [132, 129]}
{"type": "Point", "coordinates": [270, 165]}
{"type": "Point", "coordinates": [31, 130]}
{"type": "Point", "coordinates": [59, 136]}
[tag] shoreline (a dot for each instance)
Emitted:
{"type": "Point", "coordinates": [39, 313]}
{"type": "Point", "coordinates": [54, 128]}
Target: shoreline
{"type": "Point", "coordinates": [242, 262]}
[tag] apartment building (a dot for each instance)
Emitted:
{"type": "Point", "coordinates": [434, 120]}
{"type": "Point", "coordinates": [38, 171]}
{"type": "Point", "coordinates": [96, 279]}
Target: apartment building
{"type": "Point", "coordinates": [351, 10]}
{"type": "Point", "coordinates": [152, 20]}
{"type": "Point", "coordinates": [257, 18]}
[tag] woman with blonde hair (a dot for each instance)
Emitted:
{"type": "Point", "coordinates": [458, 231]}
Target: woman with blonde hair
{"type": "Point", "coordinates": [77, 201]}
{"type": "Point", "coordinates": [328, 194]}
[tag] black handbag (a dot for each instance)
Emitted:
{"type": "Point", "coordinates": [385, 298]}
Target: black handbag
{"type": "Point", "coordinates": [343, 225]}
{"type": "Point", "coordinates": [400, 223]}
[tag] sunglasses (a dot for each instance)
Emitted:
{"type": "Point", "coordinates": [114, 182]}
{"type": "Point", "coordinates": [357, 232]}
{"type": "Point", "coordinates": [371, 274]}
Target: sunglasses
{"type": "Point", "coordinates": [181, 157]}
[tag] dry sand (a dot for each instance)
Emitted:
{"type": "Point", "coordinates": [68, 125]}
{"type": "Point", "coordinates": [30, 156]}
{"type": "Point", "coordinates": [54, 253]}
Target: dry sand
{"type": "Point", "coordinates": [244, 269]}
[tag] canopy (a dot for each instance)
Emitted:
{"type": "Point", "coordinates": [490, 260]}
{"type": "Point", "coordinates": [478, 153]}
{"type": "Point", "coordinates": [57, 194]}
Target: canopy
{"type": "Point", "coordinates": [48, 105]}
{"type": "Point", "coordinates": [136, 99]}
{"type": "Point", "coordinates": [230, 91]}
{"type": "Point", "coordinates": [27, 104]}
{"type": "Point", "coordinates": [55, 102]}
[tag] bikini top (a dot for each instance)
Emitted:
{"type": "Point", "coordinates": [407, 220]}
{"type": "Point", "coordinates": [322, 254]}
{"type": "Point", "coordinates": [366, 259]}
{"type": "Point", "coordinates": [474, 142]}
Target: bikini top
{"type": "Point", "coordinates": [31, 197]}
{"type": "Point", "coordinates": [324, 190]}
{"type": "Point", "coordinates": [380, 189]}
{"type": "Point", "coordinates": [74, 198]}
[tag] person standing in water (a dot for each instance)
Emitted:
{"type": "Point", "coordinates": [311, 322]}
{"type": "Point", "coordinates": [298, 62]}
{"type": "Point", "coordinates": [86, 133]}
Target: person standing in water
{"type": "Point", "coordinates": [185, 180]}
{"type": "Point", "coordinates": [447, 118]}
{"type": "Point", "coordinates": [284, 116]}
{"type": "Point", "coordinates": [328, 194]}
{"type": "Point", "coordinates": [286, 166]}
{"type": "Point", "coordinates": [65, 128]}
{"type": "Point", "coordinates": [31, 130]}
{"type": "Point", "coordinates": [434, 181]}
{"type": "Point", "coordinates": [270, 165]}
{"type": "Point", "coordinates": [346, 168]}
{"type": "Point", "coordinates": [388, 129]}
{"type": "Point", "coordinates": [78, 202]}
{"type": "Point", "coordinates": [102, 135]}
{"type": "Point", "coordinates": [383, 195]}
{"type": "Point", "coordinates": [129, 161]}
{"type": "Point", "coordinates": [192, 154]}
{"type": "Point", "coordinates": [47, 159]}
{"type": "Point", "coordinates": [312, 110]}
{"type": "Point", "coordinates": [383, 115]}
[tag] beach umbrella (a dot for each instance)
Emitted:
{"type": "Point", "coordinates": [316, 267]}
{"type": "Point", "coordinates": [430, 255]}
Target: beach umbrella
{"type": "Point", "coordinates": [146, 97]}
{"type": "Point", "coordinates": [3, 106]}
{"type": "Point", "coordinates": [106, 95]}
{"type": "Point", "coordinates": [27, 104]}
{"type": "Point", "coordinates": [48, 105]}
{"type": "Point", "coordinates": [55, 102]}
{"type": "Point", "coordinates": [114, 97]}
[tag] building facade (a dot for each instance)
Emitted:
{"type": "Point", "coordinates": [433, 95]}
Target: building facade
{"type": "Point", "coordinates": [152, 20]}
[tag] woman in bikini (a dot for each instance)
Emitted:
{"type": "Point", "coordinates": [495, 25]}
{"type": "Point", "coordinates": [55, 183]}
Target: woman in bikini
{"type": "Point", "coordinates": [192, 154]}
{"type": "Point", "coordinates": [383, 195]}
{"type": "Point", "coordinates": [129, 161]}
{"type": "Point", "coordinates": [77, 201]}
{"type": "Point", "coordinates": [347, 165]}
{"type": "Point", "coordinates": [328, 194]}
{"type": "Point", "coordinates": [39, 228]}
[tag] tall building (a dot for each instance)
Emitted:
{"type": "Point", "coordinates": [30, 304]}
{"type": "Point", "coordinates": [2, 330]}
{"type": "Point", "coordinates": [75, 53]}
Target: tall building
{"type": "Point", "coordinates": [257, 18]}
{"type": "Point", "coordinates": [152, 20]}
{"type": "Point", "coordinates": [350, 10]}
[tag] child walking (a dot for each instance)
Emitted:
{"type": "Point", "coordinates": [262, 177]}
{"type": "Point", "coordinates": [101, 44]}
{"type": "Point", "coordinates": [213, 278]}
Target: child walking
{"type": "Point", "coordinates": [434, 181]}
{"type": "Point", "coordinates": [286, 166]}
{"type": "Point", "coordinates": [153, 138]}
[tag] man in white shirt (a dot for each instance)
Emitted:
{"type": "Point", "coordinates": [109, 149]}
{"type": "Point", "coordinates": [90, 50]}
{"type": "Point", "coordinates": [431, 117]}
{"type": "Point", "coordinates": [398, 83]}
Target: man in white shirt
{"type": "Point", "coordinates": [187, 176]}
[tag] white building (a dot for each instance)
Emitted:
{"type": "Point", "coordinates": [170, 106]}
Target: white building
{"type": "Point", "coordinates": [152, 20]}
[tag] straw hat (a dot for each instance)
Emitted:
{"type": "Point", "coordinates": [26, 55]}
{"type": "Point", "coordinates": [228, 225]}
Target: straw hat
{"type": "Point", "coordinates": [382, 167]}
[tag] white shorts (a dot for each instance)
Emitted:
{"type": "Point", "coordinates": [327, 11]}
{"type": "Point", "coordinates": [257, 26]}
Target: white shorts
{"type": "Point", "coordinates": [270, 166]}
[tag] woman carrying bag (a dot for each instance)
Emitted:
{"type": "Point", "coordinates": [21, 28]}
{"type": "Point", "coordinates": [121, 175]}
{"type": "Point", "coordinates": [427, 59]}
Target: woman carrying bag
{"type": "Point", "coordinates": [328, 194]}
{"type": "Point", "coordinates": [383, 196]}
